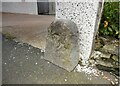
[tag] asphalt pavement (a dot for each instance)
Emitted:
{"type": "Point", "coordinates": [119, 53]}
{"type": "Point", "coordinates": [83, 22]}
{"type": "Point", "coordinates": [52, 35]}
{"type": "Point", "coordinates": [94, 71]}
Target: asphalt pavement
{"type": "Point", "coordinates": [24, 64]}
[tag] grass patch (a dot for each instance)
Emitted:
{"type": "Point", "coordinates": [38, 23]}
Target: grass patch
{"type": "Point", "coordinates": [109, 25]}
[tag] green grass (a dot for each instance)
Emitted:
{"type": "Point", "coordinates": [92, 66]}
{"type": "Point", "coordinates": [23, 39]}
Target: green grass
{"type": "Point", "coordinates": [109, 25]}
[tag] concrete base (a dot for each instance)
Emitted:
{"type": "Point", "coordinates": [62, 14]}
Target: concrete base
{"type": "Point", "coordinates": [31, 29]}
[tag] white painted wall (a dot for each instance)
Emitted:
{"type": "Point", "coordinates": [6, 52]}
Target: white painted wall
{"type": "Point", "coordinates": [0, 6]}
{"type": "Point", "coordinates": [20, 7]}
{"type": "Point", "coordinates": [0, 46]}
{"type": "Point", "coordinates": [19, 0]}
{"type": "Point", "coordinates": [10, 0]}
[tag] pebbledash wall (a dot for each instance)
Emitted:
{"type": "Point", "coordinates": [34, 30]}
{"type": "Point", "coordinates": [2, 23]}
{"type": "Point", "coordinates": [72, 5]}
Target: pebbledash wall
{"type": "Point", "coordinates": [86, 14]}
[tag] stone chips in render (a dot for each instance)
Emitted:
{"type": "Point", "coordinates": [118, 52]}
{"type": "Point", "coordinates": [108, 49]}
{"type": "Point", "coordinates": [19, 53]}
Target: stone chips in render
{"type": "Point", "coordinates": [62, 44]}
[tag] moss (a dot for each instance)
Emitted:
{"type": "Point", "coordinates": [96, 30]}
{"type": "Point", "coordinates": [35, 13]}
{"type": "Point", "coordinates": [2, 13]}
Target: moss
{"type": "Point", "coordinates": [67, 45]}
{"type": "Point", "coordinates": [9, 36]}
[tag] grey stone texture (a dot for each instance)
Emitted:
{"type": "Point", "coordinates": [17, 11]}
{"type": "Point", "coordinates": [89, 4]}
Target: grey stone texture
{"type": "Point", "coordinates": [106, 55]}
{"type": "Point", "coordinates": [62, 44]}
{"type": "Point", "coordinates": [86, 14]}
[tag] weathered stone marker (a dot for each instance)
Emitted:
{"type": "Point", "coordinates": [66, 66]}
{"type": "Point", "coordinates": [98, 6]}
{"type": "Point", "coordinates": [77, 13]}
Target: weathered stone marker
{"type": "Point", "coordinates": [62, 44]}
{"type": "Point", "coordinates": [86, 14]}
{"type": "Point", "coordinates": [65, 43]}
